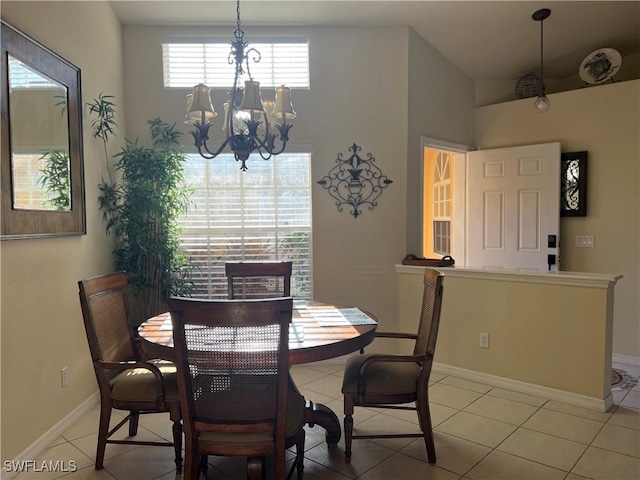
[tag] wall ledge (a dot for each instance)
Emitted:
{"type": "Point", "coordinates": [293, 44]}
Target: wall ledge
{"type": "Point", "coordinates": [573, 279]}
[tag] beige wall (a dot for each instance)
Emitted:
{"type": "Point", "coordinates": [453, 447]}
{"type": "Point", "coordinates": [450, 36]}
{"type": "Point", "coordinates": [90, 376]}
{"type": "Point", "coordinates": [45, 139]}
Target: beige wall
{"type": "Point", "coordinates": [531, 321]}
{"type": "Point", "coordinates": [441, 100]}
{"type": "Point", "coordinates": [42, 329]}
{"type": "Point", "coordinates": [605, 121]}
{"type": "Point", "coordinates": [358, 94]}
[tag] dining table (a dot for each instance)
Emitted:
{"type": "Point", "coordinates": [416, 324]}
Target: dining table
{"type": "Point", "coordinates": [318, 331]}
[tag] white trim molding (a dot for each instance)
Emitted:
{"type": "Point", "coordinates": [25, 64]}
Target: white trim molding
{"type": "Point", "coordinates": [527, 388]}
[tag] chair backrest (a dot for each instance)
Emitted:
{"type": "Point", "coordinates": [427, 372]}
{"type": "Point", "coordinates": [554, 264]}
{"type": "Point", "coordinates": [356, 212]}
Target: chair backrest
{"type": "Point", "coordinates": [258, 279]}
{"type": "Point", "coordinates": [232, 358]}
{"type": "Point", "coordinates": [430, 313]}
{"type": "Point", "coordinates": [105, 310]}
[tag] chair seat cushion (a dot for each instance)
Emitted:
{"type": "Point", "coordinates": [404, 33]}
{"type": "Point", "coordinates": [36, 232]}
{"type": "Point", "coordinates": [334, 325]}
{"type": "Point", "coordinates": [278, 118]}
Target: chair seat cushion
{"type": "Point", "coordinates": [381, 377]}
{"type": "Point", "coordinates": [295, 421]}
{"type": "Point", "coordinates": [140, 385]}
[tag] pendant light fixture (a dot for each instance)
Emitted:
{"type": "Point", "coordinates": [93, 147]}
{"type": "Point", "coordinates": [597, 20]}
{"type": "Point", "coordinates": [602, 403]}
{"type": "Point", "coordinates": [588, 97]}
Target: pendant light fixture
{"type": "Point", "coordinates": [542, 102]}
{"type": "Point", "coordinates": [249, 122]}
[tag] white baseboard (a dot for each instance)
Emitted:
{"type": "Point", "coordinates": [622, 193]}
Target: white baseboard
{"type": "Point", "coordinates": [42, 443]}
{"type": "Point", "coordinates": [626, 359]}
{"type": "Point", "coordinates": [578, 400]}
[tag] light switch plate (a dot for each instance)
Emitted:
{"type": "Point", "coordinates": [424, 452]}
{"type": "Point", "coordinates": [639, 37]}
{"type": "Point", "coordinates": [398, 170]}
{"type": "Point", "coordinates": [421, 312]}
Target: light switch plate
{"type": "Point", "coordinates": [586, 241]}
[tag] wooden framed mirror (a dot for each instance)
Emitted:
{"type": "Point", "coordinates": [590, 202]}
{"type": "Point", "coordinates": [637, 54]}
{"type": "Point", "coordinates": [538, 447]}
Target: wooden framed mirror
{"type": "Point", "coordinates": [42, 179]}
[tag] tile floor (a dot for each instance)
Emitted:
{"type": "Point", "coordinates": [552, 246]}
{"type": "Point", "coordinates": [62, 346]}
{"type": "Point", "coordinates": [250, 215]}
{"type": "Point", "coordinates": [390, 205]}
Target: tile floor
{"type": "Point", "coordinates": [481, 432]}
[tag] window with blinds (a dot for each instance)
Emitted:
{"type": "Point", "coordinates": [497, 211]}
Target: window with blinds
{"type": "Point", "coordinates": [281, 63]}
{"type": "Point", "coordinates": [261, 214]}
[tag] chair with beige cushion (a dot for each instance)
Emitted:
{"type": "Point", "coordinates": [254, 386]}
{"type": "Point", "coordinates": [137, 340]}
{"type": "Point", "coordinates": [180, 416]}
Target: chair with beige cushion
{"type": "Point", "coordinates": [125, 380]}
{"type": "Point", "coordinates": [258, 279]}
{"type": "Point", "coordinates": [232, 358]}
{"type": "Point", "coordinates": [389, 381]}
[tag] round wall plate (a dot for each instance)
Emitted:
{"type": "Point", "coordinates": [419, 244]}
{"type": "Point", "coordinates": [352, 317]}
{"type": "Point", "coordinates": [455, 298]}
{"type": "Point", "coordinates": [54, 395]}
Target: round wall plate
{"type": "Point", "coordinates": [600, 65]}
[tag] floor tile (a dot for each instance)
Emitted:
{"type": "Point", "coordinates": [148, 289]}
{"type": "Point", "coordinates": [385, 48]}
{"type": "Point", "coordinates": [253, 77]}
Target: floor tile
{"type": "Point", "coordinates": [48, 464]}
{"type": "Point", "coordinates": [141, 464]}
{"type": "Point", "coordinates": [502, 466]}
{"type": "Point", "coordinates": [452, 453]}
{"type": "Point", "coordinates": [466, 384]}
{"type": "Point", "coordinates": [302, 375]}
{"type": "Point", "coordinates": [517, 397]}
{"type": "Point", "coordinates": [365, 456]}
{"type": "Point", "coordinates": [387, 425]}
{"type": "Point", "coordinates": [329, 385]}
{"type": "Point", "coordinates": [89, 422]}
{"type": "Point", "coordinates": [88, 443]}
{"type": "Point", "coordinates": [326, 367]}
{"type": "Point", "coordinates": [439, 413]}
{"type": "Point", "coordinates": [475, 428]}
{"type": "Point", "coordinates": [578, 411]}
{"type": "Point", "coordinates": [542, 448]}
{"type": "Point", "coordinates": [632, 400]}
{"type": "Point", "coordinates": [601, 464]}
{"type": "Point", "coordinates": [407, 468]}
{"type": "Point", "coordinates": [508, 411]}
{"type": "Point", "coordinates": [563, 425]}
{"type": "Point", "coordinates": [315, 471]}
{"type": "Point", "coordinates": [625, 417]}
{"type": "Point", "coordinates": [436, 377]}
{"type": "Point", "coordinates": [453, 397]}
{"type": "Point", "coordinates": [573, 476]}
{"type": "Point", "coordinates": [619, 439]}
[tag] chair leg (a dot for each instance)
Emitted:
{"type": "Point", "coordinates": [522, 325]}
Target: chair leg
{"type": "Point", "coordinates": [254, 468]}
{"type": "Point", "coordinates": [204, 464]}
{"type": "Point", "coordinates": [176, 417]}
{"type": "Point", "coordinates": [424, 416]}
{"type": "Point", "coordinates": [348, 426]}
{"type": "Point", "coordinates": [300, 454]}
{"type": "Point", "coordinates": [103, 433]}
{"type": "Point", "coordinates": [134, 418]}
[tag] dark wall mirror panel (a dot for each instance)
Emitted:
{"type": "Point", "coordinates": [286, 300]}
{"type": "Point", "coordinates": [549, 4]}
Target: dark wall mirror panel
{"type": "Point", "coordinates": [42, 184]}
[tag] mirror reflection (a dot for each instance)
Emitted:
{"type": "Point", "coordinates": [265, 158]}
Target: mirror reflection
{"type": "Point", "coordinates": [39, 139]}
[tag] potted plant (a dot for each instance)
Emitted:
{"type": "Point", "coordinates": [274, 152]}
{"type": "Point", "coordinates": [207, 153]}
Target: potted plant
{"type": "Point", "coordinates": [142, 207]}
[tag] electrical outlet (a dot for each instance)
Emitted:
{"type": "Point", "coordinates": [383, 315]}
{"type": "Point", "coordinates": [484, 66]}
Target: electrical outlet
{"type": "Point", "coordinates": [484, 340]}
{"type": "Point", "coordinates": [64, 377]}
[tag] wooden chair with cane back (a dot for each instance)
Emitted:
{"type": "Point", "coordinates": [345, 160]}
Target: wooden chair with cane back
{"type": "Point", "coordinates": [258, 279]}
{"type": "Point", "coordinates": [232, 358]}
{"type": "Point", "coordinates": [389, 381]}
{"type": "Point", "coordinates": [125, 379]}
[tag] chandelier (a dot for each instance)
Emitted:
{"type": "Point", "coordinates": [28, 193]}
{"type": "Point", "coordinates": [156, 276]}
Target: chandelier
{"type": "Point", "coordinates": [249, 122]}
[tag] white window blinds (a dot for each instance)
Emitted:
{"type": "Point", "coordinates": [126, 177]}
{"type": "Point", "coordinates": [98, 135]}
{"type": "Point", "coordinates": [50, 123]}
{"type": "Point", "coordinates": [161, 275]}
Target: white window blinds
{"type": "Point", "coordinates": [261, 214]}
{"type": "Point", "coordinates": [281, 63]}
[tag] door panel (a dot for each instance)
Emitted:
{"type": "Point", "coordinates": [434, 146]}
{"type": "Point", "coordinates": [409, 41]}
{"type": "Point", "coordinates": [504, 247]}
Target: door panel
{"type": "Point", "coordinates": [513, 205]}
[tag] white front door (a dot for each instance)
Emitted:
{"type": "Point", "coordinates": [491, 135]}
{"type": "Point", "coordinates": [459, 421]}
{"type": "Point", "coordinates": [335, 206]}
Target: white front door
{"type": "Point", "coordinates": [513, 208]}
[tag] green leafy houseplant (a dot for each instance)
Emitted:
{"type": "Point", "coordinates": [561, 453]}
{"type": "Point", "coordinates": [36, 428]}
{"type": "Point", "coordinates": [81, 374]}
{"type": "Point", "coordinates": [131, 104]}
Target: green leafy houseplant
{"type": "Point", "coordinates": [55, 179]}
{"type": "Point", "coordinates": [142, 208]}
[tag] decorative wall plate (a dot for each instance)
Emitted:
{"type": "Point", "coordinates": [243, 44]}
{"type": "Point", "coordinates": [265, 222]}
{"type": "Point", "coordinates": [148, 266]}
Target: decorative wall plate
{"type": "Point", "coordinates": [600, 65]}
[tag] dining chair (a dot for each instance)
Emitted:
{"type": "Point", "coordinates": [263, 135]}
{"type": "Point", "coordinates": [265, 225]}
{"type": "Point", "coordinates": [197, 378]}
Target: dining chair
{"type": "Point", "coordinates": [126, 380]}
{"type": "Point", "coordinates": [232, 358]}
{"type": "Point", "coordinates": [389, 381]}
{"type": "Point", "coordinates": [258, 279]}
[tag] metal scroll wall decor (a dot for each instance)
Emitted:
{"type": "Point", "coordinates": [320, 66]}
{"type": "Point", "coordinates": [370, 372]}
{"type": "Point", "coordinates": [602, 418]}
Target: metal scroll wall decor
{"type": "Point", "coordinates": [355, 181]}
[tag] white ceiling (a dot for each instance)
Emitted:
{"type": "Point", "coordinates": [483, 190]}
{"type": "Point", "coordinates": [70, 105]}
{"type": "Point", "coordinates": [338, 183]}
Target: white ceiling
{"type": "Point", "coordinates": [487, 40]}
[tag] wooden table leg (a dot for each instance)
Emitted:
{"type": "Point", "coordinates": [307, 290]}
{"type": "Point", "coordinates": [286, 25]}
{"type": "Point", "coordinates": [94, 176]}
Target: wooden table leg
{"type": "Point", "coordinates": [318, 414]}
